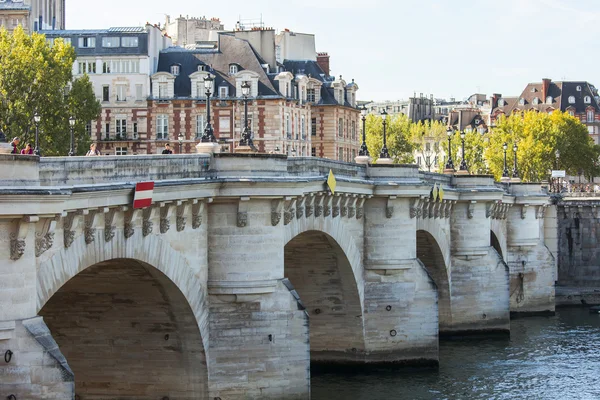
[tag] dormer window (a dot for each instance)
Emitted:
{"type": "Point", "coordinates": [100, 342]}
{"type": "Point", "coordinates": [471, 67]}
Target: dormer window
{"type": "Point", "coordinates": [175, 70]}
{"type": "Point", "coordinates": [578, 88]}
{"type": "Point", "coordinates": [501, 103]}
{"type": "Point", "coordinates": [536, 100]}
{"type": "Point", "coordinates": [233, 69]}
{"type": "Point", "coordinates": [571, 99]}
{"type": "Point", "coordinates": [223, 92]}
{"type": "Point", "coordinates": [201, 68]}
{"type": "Point", "coordinates": [522, 101]}
{"type": "Point", "coordinates": [587, 99]}
{"type": "Point", "coordinates": [549, 100]}
{"type": "Point", "coordinates": [533, 90]}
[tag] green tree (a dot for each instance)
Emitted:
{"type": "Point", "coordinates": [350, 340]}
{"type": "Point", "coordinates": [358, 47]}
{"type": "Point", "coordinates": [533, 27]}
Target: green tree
{"type": "Point", "coordinates": [397, 133]}
{"type": "Point", "coordinates": [475, 144]}
{"type": "Point", "coordinates": [34, 77]}
{"type": "Point", "coordinates": [538, 136]}
{"type": "Point", "coordinates": [84, 107]}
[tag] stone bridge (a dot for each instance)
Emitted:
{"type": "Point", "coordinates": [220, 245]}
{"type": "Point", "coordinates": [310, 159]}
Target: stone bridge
{"type": "Point", "coordinates": [247, 268]}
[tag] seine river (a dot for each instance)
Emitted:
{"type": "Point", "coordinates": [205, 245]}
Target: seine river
{"type": "Point", "coordinates": [544, 358]}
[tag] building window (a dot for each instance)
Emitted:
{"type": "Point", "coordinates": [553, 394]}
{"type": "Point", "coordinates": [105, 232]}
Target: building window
{"type": "Point", "coordinates": [105, 93]}
{"type": "Point", "coordinates": [135, 130]}
{"type": "Point", "coordinates": [200, 93]}
{"type": "Point", "coordinates": [162, 90]}
{"type": "Point", "coordinates": [223, 92]}
{"type": "Point", "coordinates": [107, 130]}
{"type": "Point", "coordinates": [341, 127]}
{"type": "Point", "coordinates": [536, 100]}
{"type": "Point", "coordinates": [353, 155]}
{"type": "Point", "coordinates": [590, 116]}
{"type": "Point", "coordinates": [587, 99]}
{"type": "Point", "coordinates": [87, 42]}
{"type": "Point", "coordinates": [522, 102]}
{"type": "Point", "coordinates": [571, 99]}
{"type": "Point", "coordinates": [233, 69]}
{"type": "Point", "coordinates": [302, 128]}
{"type": "Point", "coordinates": [549, 100]}
{"type": "Point", "coordinates": [175, 70]}
{"type": "Point", "coordinates": [579, 88]}
{"type": "Point", "coordinates": [288, 126]}
{"type": "Point", "coordinates": [88, 128]}
{"type": "Point", "coordinates": [121, 93]}
{"type": "Point", "coordinates": [225, 124]}
{"type": "Point", "coordinates": [200, 124]}
{"type": "Point", "coordinates": [129, 41]}
{"type": "Point", "coordinates": [121, 129]}
{"type": "Point", "coordinates": [201, 67]}
{"type": "Point", "coordinates": [139, 92]}
{"type": "Point", "coordinates": [313, 127]}
{"type": "Point", "coordinates": [590, 130]}
{"type": "Point", "coordinates": [162, 126]}
{"type": "Point", "coordinates": [500, 103]}
{"type": "Point", "coordinates": [571, 113]}
{"type": "Point", "coordinates": [340, 154]}
{"type": "Point", "coordinates": [110, 42]}
{"type": "Point", "coordinates": [121, 66]}
{"type": "Point", "coordinates": [121, 151]}
{"type": "Point", "coordinates": [353, 130]}
{"type": "Point", "coordinates": [313, 151]}
{"type": "Point", "coordinates": [310, 95]}
{"type": "Point", "coordinates": [87, 67]}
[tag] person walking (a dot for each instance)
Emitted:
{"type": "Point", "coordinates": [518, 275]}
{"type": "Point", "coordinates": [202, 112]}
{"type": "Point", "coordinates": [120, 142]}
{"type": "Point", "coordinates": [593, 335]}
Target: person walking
{"type": "Point", "coordinates": [167, 149]}
{"type": "Point", "coordinates": [15, 143]}
{"type": "Point", "coordinates": [93, 151]}
{"type": "Point", "coordinates": [28, 150]}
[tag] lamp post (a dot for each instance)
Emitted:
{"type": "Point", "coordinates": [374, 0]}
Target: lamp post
{"type": "Point", "coordinates": [246, 139]}
{"type": "Point", "coordinates": [208, 135]}
{"type": "Point", "coordinates": [463, 162]}
{"type": "Point", "coordinates": [384, 150]}
{"type": "Point", "coordinates": [450, 163]}
{"type": "Point", "coordinates": [505, 171]}
{"type": "Point", "coordinates": [515, 173]}
{"type": "Point", "coordinates": [180, 138]}
{"type": "Point", "coordinates": [72, 126]}
{"type": "Point", "coordinates": [37, 119]}
{"type": "Point", "coordinates": [364, 151]}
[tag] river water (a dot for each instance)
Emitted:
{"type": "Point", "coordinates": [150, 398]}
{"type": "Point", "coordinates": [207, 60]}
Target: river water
{"type": "Point", "coordinates": [545, 358]}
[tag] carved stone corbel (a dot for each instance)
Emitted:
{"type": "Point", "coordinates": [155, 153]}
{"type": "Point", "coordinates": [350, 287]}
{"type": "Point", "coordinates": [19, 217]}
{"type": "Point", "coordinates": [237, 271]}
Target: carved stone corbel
{"type": "Point", "coordinates": [336, 206]}
{"type": "Point", "coordinates": [471, 209]}
{"type": "Point", "coordinates": [147, 224]}
{"type": "Point", "coordinates": [319, 205]}
{"type": "Point", "coordinates": [352, 206]}
{"type": "Point", "coordinates": [436, 209]}
{"type": "Point", "coordinates": [130, 216]}
{"type": "Point", "coordinates": [165, 212]}
{"type": "Point", "coordinates": [242, 212]}
{"type": "Point", "coordinates": [524, 208]}
{"type": "Point", "coordinates": [89, 225]}
{"type": "Point", "coordinates": [180, 215]}
{"type": "Point", "coordinates": [197, 212]}
{"type": "Point", "coordinates": [327, 200]}
{"type": "Point", "coordinates": [344, 206]}
{"type": "Point", "coordinates": [425, 208]}
{"type": "Point", "coordinates": [449, 207]}
{"type": "Point", "coordinates": [45, 238]}
{"type": "Point", "coordinates": [109, 228]}
{"type": "Point", "coordinates": [276, 208]}
{"type": "Point", "coordinates": [290, 211]}
{"type": "Point", "coordinates": [17, 238]}
{"type": "Point", "coordinates": [540, 211]}
{"type": "Point", "coordinates": [69, 226]}
{"type": "Point", "coordinates": [389, 207]}
{"type": "Point", "coordinates": [360, 207]}
{"type": "Point", "coordinates": [309, 207]}
{"type": "Point", "coordinates": [300, 207]}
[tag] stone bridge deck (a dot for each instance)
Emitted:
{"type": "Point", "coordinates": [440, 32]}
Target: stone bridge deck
{"type": "Point", "coordinates": [247, 268]}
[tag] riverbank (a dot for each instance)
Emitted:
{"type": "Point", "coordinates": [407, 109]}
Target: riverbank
{"type": "Point", "coordinates": [568, 296]}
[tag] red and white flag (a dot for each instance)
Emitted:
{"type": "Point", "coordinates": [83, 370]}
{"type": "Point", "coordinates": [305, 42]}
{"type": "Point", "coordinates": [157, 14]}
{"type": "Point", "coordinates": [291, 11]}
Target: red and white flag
{"type": "Point", "coordinates": [143, 194]}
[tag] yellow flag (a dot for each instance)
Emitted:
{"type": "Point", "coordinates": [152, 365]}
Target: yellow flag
{"type": "Point", "coordinates": [441, 193]}
{"type": "Point", "coordinates": [331, 182]}
{"type": "Point", "coordinates": [435, 192]}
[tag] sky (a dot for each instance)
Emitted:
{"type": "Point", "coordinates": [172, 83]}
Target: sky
{"type": "Point", "coordinates": [394, 48]}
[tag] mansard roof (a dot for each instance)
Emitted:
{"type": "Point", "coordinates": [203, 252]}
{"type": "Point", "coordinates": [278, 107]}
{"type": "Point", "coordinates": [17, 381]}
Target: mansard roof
{"type": "Point", "coordinates": [14, 5]}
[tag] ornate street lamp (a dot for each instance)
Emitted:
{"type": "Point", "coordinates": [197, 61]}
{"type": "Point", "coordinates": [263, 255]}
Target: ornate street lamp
{"type": "Point", "coordinates": [180, 138]}
{"type": "Point", "coordinates": [450, 163]}
{"type": "Point", "coordinates": [72, 126]}
{"type": "Point", "coordinates": [463, 162]}
{"type": "Point", "coordinates": [246, 139]}
{"type": "Point", "coordinates": [364, 151]}
{"type": "Point", "coordinates": [37, 119]}
{"type": "Point", "coordinates": [515, 173]}
{"type": "Point", "coordinates": [208, 135]}
{"type": "Point", "coordinates": [505, 171]}
{"type": "Point", "coordinates": [384, 150]}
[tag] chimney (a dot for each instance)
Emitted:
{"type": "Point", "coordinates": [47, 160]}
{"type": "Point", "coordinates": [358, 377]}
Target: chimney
{"type": "Point", "coordinates": [495, 98]}
{"type": "Point", "coordinates": [323, 62]}
{"type": "Point", "coordinates": [545, 88]}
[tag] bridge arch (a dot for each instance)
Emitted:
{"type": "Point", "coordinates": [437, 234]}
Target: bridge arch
{"type": "Point", "coordinates": [321, 272]}
{"type": "Point", "coordinates": [430, 254]}
{"type": "Point", "coordinates": [129, 316]}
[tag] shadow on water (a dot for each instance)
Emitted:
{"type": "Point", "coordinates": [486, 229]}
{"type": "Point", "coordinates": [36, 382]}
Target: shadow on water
{"type": "Point", "coordinates": [556, 357]}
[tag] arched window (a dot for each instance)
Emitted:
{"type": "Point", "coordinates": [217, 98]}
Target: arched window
{"type": "Point", "coordinates": [501, 103]}
{"type": "Point", "coordinates": [587, 99]}
{"type": "Point", "coordinates": [571, 99]}
{"type": "Point", "coordinates": [579, 88]}
{"type": "Point", "coordinates": [233, 69]}
{"type": "Point", "coordinates": [536, 100]}
{"type": "Point", "coordinates": [549, 100]}
{"type": "Point", "coordinates": [522, 101]}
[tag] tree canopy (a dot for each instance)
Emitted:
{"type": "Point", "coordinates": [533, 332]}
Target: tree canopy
{"type": "Point", "coordinates": [35, 77]}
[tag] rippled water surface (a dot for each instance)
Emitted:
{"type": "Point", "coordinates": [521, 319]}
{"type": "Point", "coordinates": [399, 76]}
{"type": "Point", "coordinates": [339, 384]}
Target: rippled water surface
{"type": "Point", "coordinates": [544, 358]}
